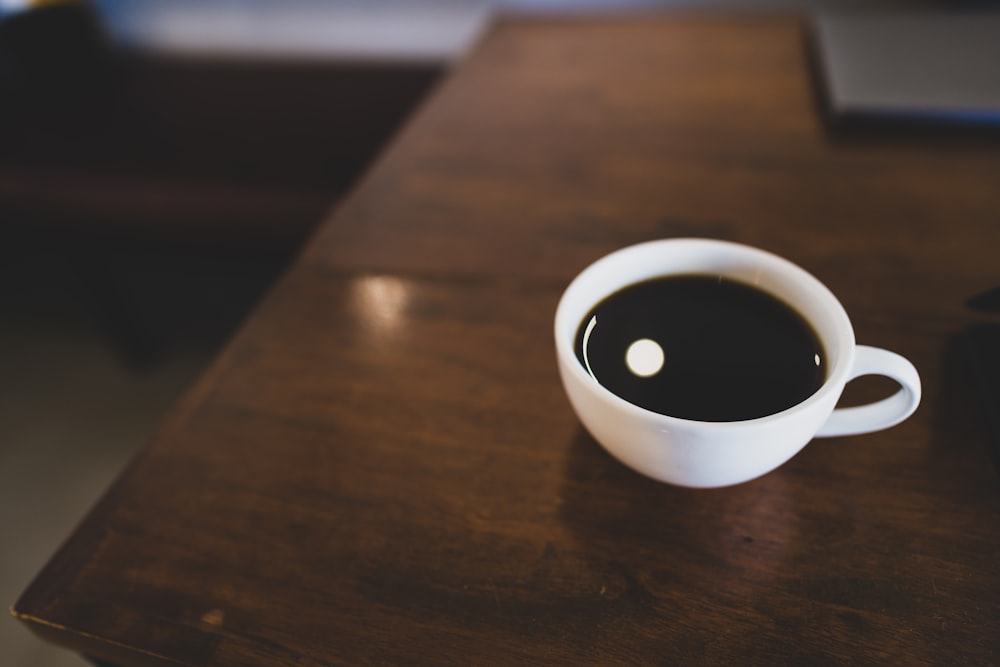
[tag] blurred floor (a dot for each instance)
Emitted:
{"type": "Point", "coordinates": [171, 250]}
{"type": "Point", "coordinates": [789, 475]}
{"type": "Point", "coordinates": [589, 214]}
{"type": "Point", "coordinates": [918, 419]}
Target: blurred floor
{"type": "Point", "coordinates": [73, 408]}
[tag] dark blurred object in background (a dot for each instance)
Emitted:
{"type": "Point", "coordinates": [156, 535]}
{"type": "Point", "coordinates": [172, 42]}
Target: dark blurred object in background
{"type": "Point", "coordinates": [95, 134]}
{"type": "Point", "coordinates": [72, 100]}
{"type": "Point", "coordinates": [56, 77]}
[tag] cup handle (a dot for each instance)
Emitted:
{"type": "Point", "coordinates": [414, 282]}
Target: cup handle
{"type": "Point", "coordinates": [881, 414]}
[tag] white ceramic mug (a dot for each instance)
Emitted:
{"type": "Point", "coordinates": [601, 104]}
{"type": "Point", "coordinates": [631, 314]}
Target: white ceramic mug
{"type": "Point", "coordinates": [710, 454]}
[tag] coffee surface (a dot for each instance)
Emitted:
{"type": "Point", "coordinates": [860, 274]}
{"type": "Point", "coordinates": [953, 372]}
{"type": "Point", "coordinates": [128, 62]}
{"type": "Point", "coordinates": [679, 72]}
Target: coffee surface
{"type": "Point", "coordinates": [703, 348]}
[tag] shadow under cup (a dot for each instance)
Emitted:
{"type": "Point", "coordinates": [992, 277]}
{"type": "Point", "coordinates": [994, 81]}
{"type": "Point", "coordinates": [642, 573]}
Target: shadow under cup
{"type": "Point", "coordinates": [707, 454]}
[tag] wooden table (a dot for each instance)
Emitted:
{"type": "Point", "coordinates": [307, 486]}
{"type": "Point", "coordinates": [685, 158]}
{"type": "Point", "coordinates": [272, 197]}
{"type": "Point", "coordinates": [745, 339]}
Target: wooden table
{"type": "Point", "coordinates": [382, 468]}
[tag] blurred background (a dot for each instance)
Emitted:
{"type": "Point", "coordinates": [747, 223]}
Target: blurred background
{"type": "Point", "coordinates": [161, 163]}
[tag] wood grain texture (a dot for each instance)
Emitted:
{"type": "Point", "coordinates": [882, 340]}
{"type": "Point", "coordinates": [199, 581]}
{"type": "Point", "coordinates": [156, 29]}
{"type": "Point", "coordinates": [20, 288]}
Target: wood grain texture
{"type": "Point", "coordinates": [381, 468]}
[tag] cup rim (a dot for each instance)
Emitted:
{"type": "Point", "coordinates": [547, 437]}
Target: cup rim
{"type": "Point", "coordinates": [836, 375]}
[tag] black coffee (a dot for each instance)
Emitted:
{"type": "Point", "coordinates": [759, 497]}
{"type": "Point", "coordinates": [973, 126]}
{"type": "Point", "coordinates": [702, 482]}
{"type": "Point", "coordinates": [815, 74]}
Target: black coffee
{"type": "Point", "coordinates": [701, 347]}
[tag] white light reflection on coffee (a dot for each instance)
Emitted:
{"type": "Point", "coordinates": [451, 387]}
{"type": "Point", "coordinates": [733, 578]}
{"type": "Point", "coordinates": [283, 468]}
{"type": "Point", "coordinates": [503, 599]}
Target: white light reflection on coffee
{"type": "Point", "coordinates": [644, 357]}
{"type": "Point", "coordinates": [382, 302]}
{"type": "Point", "coordinates": [586, 344]}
